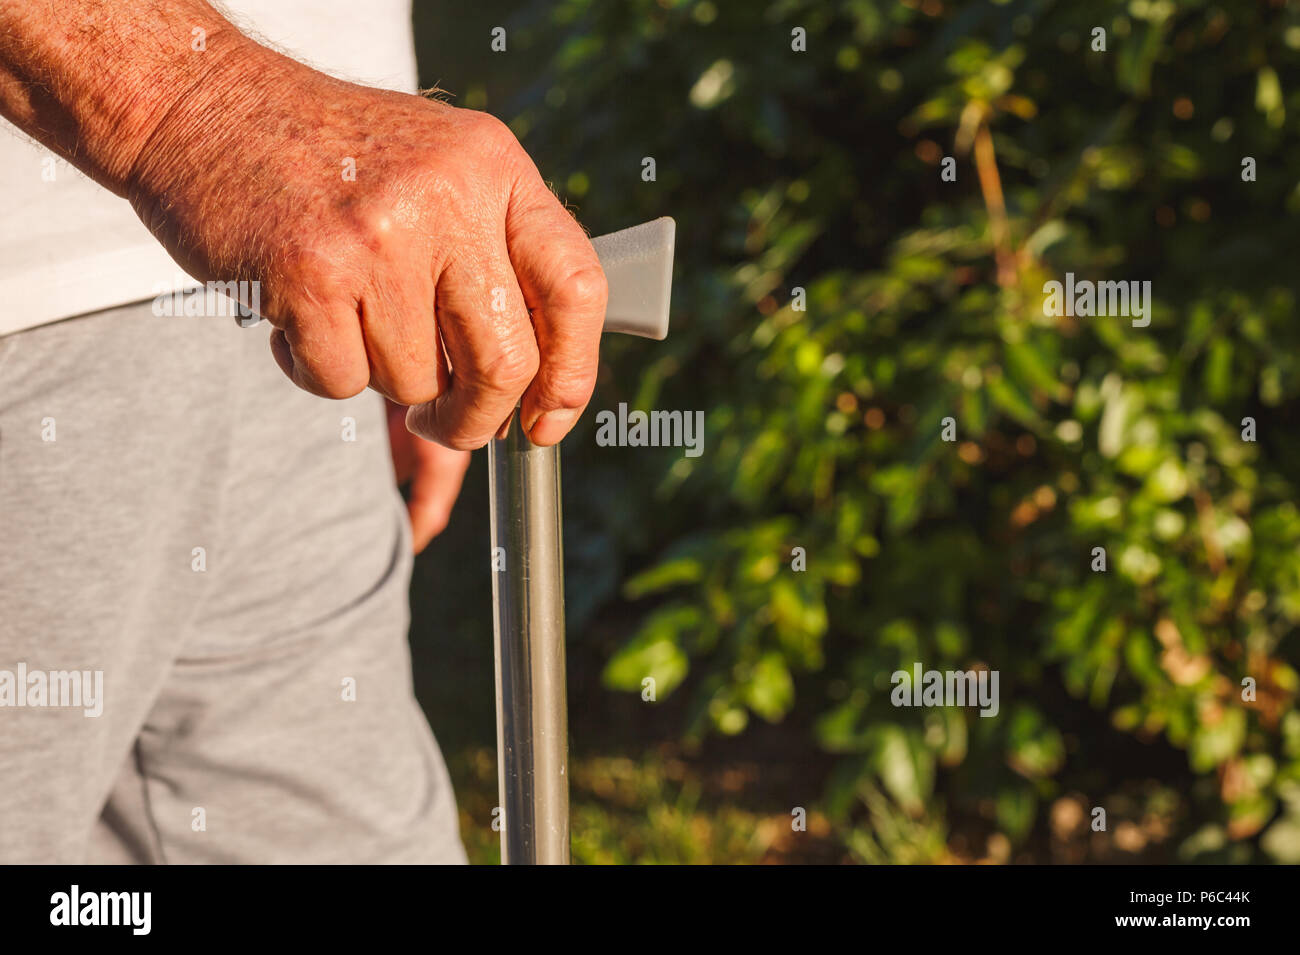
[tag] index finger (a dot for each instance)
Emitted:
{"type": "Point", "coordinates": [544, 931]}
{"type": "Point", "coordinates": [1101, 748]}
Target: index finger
{"type": "Point", "coordinates": [565, 291]}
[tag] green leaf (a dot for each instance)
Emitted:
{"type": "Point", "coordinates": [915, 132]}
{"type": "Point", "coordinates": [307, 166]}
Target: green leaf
{"type": "Point", "coordinates": [1216, 744]}
{"type": "Point", "coordinates": [769, 691]}
{"type": "Point", "coordinates": [655, 652]}
{"type": "Point", "coordinates": [671, 573]}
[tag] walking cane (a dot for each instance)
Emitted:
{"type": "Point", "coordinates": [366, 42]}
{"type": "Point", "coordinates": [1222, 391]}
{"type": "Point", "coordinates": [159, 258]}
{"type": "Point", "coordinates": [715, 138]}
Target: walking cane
{"type": "Point", "coordinates": [528, 576]}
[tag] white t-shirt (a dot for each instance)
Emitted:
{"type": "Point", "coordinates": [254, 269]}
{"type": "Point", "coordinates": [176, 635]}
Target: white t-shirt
{"type": "Point", "coordinates": [68, 246]}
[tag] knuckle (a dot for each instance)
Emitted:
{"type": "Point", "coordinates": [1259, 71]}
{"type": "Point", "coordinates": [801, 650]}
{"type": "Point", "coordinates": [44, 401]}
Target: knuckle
{"type": "Point", "coordinates": [329, 370]}
{"type": "Point", "coordinates": [568, 391]}
{"type": "Point", "coordinates": [335, 261]}
{"type": "Point", "coordinates": [342, 383]}
{"type": "Point", "coordinates": [512, 368]}
{"type": "Point", "coordinates": [374, 226]}
{"type": "Point", "coordinates": [409, 393]}
{"type": "Point", "coordinates": [492, 132]}
{"type": "Point", "coordinates": [584, 288]}
{"type": "Point", "coordinates": [401, 373]}
{"type": "Point", "coordinates": [466, 440]}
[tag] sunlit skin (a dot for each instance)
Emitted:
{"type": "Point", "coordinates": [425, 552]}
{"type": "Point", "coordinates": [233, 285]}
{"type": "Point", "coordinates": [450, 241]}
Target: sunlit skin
{"type": "Point", "coordinates": [435, 475]}
{"type": "Point", "coordinates": [234, 156]}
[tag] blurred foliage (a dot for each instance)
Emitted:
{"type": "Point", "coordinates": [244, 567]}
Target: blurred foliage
{"type": "Point", "coordinates": [820, 170]}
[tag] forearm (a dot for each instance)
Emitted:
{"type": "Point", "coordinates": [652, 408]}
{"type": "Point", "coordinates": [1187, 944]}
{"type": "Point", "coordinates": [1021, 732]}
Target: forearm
{"type": "Point", "coordinates": [92, 79]}
{"type": "Point", "coordinates": [392, 237]}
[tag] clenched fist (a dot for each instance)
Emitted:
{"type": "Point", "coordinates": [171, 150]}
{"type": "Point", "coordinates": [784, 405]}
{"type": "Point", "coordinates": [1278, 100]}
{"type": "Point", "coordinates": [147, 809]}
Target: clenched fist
{"type": "Point", "coordinates": [399, 243]}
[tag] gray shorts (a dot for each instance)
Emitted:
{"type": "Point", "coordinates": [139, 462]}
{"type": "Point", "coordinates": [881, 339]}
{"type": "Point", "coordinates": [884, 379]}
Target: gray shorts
{"type": "Point", "coordinates": [227, 559]}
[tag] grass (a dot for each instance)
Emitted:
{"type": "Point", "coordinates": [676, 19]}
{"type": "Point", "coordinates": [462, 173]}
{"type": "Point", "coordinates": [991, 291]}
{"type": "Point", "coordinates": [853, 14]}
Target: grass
{"type": "Point", "coordinates": [652, 810]}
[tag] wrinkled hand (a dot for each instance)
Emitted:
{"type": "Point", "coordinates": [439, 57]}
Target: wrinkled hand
{"type": "Point", "coordinates": [434, 472]}
{"type": "Point", "coordinates": [445, 274]}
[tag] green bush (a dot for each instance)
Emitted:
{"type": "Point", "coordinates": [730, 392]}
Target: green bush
{"type": "Point", "coordinates": [820, 170]}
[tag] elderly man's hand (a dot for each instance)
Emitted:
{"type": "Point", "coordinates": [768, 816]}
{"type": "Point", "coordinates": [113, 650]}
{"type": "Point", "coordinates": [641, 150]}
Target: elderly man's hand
{"type": "Point", "coordinates": [399, 243]}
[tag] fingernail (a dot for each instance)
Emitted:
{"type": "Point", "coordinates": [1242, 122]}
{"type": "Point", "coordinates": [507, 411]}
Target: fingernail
{"type": "Point", "coordinates": [553, 425]}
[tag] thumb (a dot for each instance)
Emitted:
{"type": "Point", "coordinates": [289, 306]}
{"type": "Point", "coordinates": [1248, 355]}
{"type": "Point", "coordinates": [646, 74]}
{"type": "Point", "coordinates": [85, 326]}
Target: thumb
{"type": "Point", "coordinates": [565, 291]}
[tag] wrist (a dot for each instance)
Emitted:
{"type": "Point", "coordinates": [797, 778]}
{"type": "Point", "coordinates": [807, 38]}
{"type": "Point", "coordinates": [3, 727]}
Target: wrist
{"type": "Point", "coordinates": [227, 114]}
{"type": "Point", "coordinates": [166, 117]}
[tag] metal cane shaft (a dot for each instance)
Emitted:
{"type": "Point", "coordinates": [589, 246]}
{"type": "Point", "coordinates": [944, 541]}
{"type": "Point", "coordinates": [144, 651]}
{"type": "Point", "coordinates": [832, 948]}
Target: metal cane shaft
{"type": "Point", "coordinates": [528, 620]}
{"type": "Point", "coordinates": [528, 574]}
